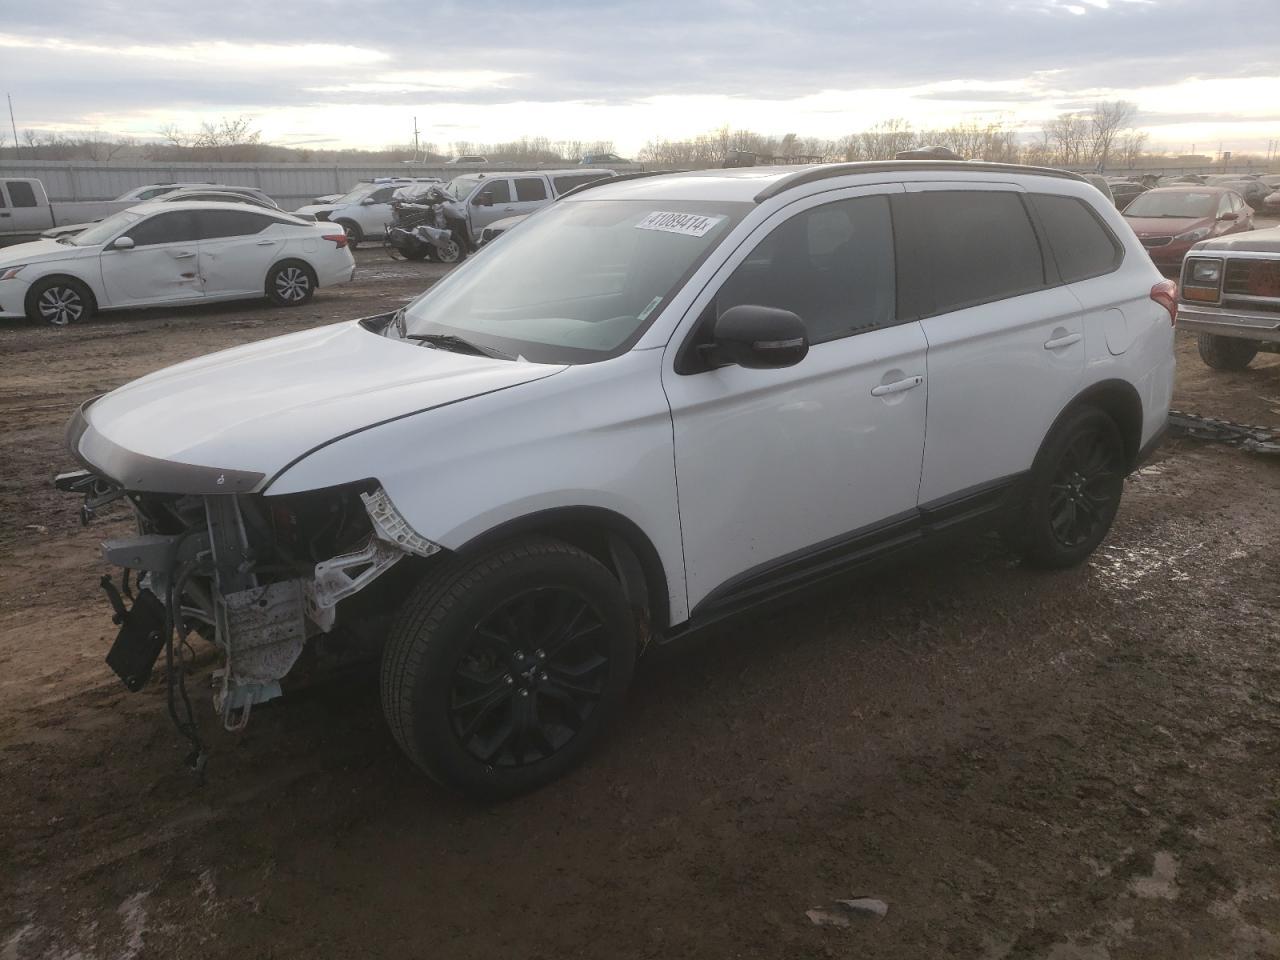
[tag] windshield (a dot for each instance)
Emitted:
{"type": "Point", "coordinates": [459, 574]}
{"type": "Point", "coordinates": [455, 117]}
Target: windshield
{"type": "Point", "coordinates": [460, 187]}
{"type": "Point", "coordinates": [104, 230]}
{"type": "Point", "coordinates": [579, 282]}
{"type": "Point", "coordinates": [359, 193]}
{"type": "Point", "coordinates": [1185, 204]}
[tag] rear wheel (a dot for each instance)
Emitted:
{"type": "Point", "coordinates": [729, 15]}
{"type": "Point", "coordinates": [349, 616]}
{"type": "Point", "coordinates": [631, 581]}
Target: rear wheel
{"type": "Point", "coordinates": [1076, 485]}
{"type": "Point", "coordinates": [502, 672]}
{"type": "Point", "coordinates": [352, 229]}
{"type": "Point", "coordinates": [59, 301]}
{"type": "Point", "coordinates": [290, 284]}
{"type": "Point", "coordinates": [1226, 353]}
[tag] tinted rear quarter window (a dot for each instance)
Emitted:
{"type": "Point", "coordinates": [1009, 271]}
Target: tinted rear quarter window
{"type": "Point", "coordinates": [1081, 244]}
{"type": "Point", "coordinates": [567, 183]}
{"type": "Point", "coordinates": [21, 194]}
{"type": "Point", "coordinates": [974, 246]}
{"type": "Point", "coordinates": [231, 223]}
{"type": "Point", "coordinates": [530, 188]}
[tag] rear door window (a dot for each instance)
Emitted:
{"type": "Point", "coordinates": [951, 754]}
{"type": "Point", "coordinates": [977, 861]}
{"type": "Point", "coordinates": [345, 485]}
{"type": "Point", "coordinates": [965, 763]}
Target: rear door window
{"type": "Point", "coordinates": [176, 227]}
{"type": "Point", "coordinates": [530, 189]}
{"type": "Point", "coordinates": [1081, 244]}
{"type": "Point", "coordinates": [21, 194]}
{"type": "Point", "coordinates": [971, 247]}
{"type": "Point", "coordinates": [230, 223]}
{"type": "Point", "coordinates": [566, 183]}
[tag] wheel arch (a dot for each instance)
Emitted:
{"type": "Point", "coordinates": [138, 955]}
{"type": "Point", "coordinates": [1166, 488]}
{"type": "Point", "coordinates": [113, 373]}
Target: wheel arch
{"type": "Point", "coordinates": [613, 539]}
{"type": "Point", "coordinates": [1119, 400]}
{"type": "Point", "coordinates": [291, 259]}
{"type": "Point", "coordinates": [78, 281]}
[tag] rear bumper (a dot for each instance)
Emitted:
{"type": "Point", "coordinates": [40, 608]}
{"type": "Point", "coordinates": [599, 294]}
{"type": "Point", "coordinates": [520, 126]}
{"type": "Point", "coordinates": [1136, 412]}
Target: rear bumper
{"type": "Point", "coordinates": [1260, 325]}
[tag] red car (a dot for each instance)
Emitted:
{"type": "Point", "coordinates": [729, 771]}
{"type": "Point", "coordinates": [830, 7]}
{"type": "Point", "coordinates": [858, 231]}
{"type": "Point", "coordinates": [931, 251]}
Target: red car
{"type": "Point", "coordinates": [1169, 220]}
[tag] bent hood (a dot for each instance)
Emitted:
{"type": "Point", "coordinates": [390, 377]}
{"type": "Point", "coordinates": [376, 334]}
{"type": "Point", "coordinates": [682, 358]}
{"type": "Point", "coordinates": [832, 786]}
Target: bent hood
{"type": "Point", "coordinates": [231, 421]}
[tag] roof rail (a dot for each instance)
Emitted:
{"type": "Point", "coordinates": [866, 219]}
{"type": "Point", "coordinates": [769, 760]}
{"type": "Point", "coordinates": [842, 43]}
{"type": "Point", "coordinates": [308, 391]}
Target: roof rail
{"type": "Point", "coordinates": [827, 170]}
{"type": "Point", "coordinates": [601, 181]}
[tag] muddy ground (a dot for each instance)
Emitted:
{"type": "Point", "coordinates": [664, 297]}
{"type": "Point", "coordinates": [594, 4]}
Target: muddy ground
{"type": "Point", "coordinates": [1077, 766]}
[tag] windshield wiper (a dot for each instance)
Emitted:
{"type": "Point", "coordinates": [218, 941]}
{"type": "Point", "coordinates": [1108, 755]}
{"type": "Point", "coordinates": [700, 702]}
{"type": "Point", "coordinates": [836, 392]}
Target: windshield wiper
{"type": "Point", "coordinates": [448, 341]}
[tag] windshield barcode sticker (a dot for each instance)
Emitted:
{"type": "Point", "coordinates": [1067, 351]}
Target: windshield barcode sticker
{"type": "Point", "coordinates": [685, 224]}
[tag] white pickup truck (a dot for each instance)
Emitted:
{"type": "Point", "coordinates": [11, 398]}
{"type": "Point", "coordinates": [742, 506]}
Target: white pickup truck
{"type": "Point", "coordinates": [25, 210]}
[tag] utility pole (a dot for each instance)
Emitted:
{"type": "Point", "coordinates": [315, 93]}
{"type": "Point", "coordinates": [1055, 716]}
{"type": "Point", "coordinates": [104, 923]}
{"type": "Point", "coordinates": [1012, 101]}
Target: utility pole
{"type": "Point", "coordinates": [12, 124]}
{"type": "Point", "coordinates": [415, 140]}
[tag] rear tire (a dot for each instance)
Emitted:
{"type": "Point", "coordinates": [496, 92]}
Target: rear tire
{"type": "Point", "coordinates": [58, 302]}
{"type": "Point", "coordinates": [355, 236]}
{"type": "Point", "coordinates": [502, 672]}
{"type": "Point", "coordinates": [415, 253]}
{"type": "Point", "coordinates": [1226, 353]}
{"type": "Point", "coordinates": [1076, 485]}
{"type": "Point", "coordinates": [290, 284]}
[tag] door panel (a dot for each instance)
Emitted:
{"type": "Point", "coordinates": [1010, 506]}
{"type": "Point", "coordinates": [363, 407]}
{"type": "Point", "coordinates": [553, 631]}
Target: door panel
{"type": "Point", "coordinates": [1006, 340]}
{"type": "Point", "coordinates": [236, 250]}
{"type": "Point", "coordinates": [770, 464]}
{"type": "Point", "coordinates": [163, 267]}
{"type": "Point", "coordinates": [503, 205]}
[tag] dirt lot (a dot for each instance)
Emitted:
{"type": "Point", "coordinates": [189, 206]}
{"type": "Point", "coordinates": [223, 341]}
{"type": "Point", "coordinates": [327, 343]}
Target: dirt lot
{"type": "Point", "coordinates": [1074, 767]}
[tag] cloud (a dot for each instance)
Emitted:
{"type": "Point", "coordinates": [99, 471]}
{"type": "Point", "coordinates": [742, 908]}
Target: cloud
{"type": "Point", "coordinates": [618, 69]}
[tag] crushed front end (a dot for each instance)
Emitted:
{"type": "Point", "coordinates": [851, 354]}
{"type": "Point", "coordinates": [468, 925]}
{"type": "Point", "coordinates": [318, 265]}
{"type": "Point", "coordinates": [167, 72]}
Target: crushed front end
{"type": "Point", "coordinates": [257, 576]}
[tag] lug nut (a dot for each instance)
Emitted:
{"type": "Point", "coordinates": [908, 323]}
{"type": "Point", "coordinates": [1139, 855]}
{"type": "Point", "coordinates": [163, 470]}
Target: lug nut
{"type": "Point", "coordinates": [541, 655]}
{"type": "Point", "coordinates": [508, 680]}
{"type": "Point", "coordinates": [524, 693]}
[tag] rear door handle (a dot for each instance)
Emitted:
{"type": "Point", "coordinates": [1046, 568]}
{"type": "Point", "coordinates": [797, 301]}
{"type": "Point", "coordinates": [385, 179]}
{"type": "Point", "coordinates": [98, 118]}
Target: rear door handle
{"type": "Point", "coordinates": [184, 255]}
{"type": "Point", "coordinates": [1058, 342]}
{"type": "Point", "coordinates": [898, 386]}
{"type": "Point", "coordinates": [265, 243]}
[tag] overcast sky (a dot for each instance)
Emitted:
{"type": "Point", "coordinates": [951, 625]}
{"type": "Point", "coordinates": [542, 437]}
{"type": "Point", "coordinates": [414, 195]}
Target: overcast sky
{"type": "Point", "coordinates": [342, 73]}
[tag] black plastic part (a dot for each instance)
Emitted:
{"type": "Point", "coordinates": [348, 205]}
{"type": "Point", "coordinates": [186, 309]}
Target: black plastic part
{"type": "Point", "coordinates": [141, 636]}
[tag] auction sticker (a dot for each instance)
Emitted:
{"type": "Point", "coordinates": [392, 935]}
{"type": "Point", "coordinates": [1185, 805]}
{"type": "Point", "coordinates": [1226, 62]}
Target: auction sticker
{"type": "Point", "coordinates": [685, 224]}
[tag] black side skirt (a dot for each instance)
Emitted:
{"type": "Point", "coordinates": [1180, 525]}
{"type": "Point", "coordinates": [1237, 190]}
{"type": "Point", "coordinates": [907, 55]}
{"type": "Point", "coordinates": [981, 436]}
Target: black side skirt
{"type": "Point", "coordinates": [982, 507]}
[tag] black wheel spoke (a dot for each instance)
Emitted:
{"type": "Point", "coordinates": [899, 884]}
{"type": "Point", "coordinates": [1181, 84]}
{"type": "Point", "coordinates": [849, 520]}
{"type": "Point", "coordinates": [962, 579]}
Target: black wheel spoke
{"type": "Point", "coordinates": [534, 670]}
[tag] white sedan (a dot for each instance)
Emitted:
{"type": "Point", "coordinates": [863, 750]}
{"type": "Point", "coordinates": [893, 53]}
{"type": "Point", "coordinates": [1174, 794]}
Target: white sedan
{"type": "Point", "coordinates": [170, 254]}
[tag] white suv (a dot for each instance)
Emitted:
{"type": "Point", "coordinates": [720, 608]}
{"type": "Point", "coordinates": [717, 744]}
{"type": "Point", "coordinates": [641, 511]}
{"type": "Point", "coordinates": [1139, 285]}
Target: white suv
{"type": "Point", "coordinates": [662, 401]}
{"type": "Point", "coordinates": [365, 211]}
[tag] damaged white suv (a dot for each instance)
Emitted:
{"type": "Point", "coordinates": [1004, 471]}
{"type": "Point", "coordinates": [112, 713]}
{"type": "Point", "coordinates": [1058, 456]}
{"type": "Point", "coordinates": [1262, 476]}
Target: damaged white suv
{"type": "Point", "coordinates": [662, 401]}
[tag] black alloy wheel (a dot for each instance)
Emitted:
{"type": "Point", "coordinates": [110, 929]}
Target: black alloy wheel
{"type": "Point", "coordinates": [530, 678]}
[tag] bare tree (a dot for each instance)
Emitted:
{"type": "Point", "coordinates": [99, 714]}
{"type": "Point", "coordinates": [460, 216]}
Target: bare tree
{"type": "Point", "coordinates": [1106, 121]}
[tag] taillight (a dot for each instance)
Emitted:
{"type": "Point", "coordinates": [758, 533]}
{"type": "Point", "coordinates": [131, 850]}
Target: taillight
{"type": "Point", "coordinates": [338, 238]}
{"type": "Point", "coordinates": [1165, 293]}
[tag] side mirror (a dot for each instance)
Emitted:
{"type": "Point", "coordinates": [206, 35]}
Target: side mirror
{"type": "Point", "coordinates": [122, 243]}
{"type": "Point", "coordinates": [1229, 216]}
{"type": "Point", "coordinates": [484, 200]}
{"type": "Point", "coordinates": [368, 202]}
{"type": "Point", "coordinates": [760, 338]}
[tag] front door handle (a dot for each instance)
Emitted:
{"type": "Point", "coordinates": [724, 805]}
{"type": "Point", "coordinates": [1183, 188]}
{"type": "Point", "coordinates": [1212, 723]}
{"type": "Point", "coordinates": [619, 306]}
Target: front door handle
{"type": "Point", "coordinates": [1058, 342]}
{"type": "Point", "coordinates": [265, 243]}
{"type": "Point", "coordinates": [185, 255]}
{"type": "Point", "coordinates": [898, 386]}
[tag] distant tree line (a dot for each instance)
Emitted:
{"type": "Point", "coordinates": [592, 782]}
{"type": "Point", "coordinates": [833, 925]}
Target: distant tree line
{"type": "Point", "coordinates": [1102, 137]}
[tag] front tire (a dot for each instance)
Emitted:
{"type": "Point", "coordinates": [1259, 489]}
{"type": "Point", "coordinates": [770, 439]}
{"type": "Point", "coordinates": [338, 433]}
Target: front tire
{"type": "Point", "coordinates": [502, 672]}
{"type": "Point", "coordinates": [290, 284]}
{"type": "Point", "coordinates": [415, 253]}
{"type": "Point", "coordinates": [59, 302]}
{"type": "Point", "coordinates": [1226, 353]}
{"type": "Point", "coordinates": [1076, 485]}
